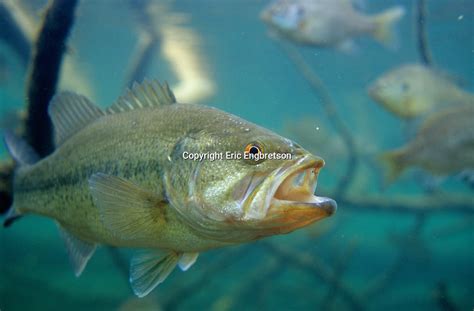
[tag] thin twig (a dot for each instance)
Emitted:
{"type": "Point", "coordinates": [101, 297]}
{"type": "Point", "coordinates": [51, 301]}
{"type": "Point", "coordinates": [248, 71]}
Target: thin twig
{"type": "Point", "coordinates": [253, 283]}
{"type": "Point", "coordinates": [193, 287]}
{"type": "Point", "coordinates": [446, 203]}
{"type": "Point", "coordinates": [329, 108]}
{"type": "Point", "coordinates": [423, 47]}
{"type": "Point", "coordinates": [13, 35]}
{"type": "Point", "coordinates": [342, 263]}
{"type": "Point", "coordinates": [380, 283]}
{"type": "Point", "coordinates": [318, 269]}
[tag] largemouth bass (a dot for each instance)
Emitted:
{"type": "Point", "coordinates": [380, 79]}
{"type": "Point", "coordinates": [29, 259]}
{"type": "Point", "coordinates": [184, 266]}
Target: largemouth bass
{"type": "Point", "coordinates": [120, 177]}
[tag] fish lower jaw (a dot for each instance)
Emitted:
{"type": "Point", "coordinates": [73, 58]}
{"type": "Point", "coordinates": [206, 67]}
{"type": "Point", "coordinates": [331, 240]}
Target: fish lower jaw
{"type": "Point", "coordinates": [294, 203]}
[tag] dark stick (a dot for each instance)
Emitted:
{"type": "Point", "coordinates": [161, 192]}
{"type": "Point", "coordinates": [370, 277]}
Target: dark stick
{"type": "Point", "coordinates": [329, 108]}
{"type": "Point", "coordinates": [423, 48]}
{"type": "Point", "coordinates": [41, 85]}
{"type": "Point", "coordinates": [44, 72]}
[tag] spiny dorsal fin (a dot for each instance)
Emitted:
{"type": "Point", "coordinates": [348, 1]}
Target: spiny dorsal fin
{"type": "Point", "coordinates": [70, 113]}
{"type": "Point", "coordinates": [144, 95]}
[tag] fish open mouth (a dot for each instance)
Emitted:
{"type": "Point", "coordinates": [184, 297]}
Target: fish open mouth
{"type": "Point", "coordinates": [293, 203]}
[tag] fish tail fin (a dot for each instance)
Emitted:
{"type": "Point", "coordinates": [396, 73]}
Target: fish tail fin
{"type": "Point", "coordinates": [24, 155]}
{"type": "Point", "coordinates": [384, 26]}
{"type": "Point", "coordinates": [394, 165]}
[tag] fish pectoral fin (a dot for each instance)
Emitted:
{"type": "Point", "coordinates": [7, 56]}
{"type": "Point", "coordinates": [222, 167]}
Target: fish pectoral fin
{"type": "Point", "coordinates": [187, 260]}
{"type": "Point", "coordinates": [150, 268]}
{"type": "Point", "coordinates": [125, 209]}
{"type": "Point", "coordinates": [79, 251]}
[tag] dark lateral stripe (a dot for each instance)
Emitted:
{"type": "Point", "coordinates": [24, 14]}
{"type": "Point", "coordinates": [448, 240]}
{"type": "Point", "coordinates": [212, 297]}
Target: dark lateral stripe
{"type": "Point", "coordinates": [81, 175]}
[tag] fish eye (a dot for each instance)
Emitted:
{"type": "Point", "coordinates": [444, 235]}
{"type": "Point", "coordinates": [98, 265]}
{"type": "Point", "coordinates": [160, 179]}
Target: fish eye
{"type": "Point", "coordinates": [253, 148]}
{"type": "Point", "coordinates": [405, 87]}
{"type": "Point", "coordinates": [254, 153]}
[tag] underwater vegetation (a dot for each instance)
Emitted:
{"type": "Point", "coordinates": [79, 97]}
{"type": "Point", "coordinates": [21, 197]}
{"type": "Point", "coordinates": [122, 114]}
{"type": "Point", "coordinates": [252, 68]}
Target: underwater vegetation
{"type": "Point", "coordinates": [272, 111]}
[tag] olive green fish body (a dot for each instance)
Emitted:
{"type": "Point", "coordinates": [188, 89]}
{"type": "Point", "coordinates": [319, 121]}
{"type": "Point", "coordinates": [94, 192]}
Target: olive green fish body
{"type": "Point", "coordinates": [134, 145]}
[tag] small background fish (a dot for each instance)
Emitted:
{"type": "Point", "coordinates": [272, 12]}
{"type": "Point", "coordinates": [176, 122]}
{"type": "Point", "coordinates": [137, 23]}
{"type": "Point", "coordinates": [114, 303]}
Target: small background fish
{"type": "Point", "coordinates": [329, 23]}
{"type": "Point", "coordinates": [414, 90]}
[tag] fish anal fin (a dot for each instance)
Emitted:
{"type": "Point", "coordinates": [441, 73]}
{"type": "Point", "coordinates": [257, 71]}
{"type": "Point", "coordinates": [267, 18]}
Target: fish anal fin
{"type": "Point", "coordinates": [150, 268]}
{"type": "Point", "coordinates": [187, 260]}
{"type": "Point", "coordinates": [70, 113]}
{"type": "Point", "coordinates": [79, 251]}
{"type": "Point", "coordinates": [127, 210]}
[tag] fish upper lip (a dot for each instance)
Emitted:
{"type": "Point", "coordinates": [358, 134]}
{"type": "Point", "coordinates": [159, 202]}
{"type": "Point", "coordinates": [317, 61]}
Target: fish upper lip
{"type": "Point", "coordinates": [295, 187]}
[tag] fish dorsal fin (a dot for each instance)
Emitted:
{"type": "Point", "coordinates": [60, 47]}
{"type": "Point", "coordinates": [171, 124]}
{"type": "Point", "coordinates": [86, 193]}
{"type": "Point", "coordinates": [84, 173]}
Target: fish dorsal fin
{"type": "Point", "coordinates": [79, 251]}
{"type": "Point", "coordinates": [70, 113]}
{"type": "Point", "coordinates": [150, 268]}
{"type": "Point", "coordinates": [145, 95]}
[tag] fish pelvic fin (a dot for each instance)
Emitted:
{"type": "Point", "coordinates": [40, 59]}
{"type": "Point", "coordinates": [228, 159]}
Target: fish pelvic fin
{"type": "Point", "coordinates": [384, 26]}
{"type": "Point", "coordinates": [394, 165]}
{"type": "Point", "coordinates": [126, 210]}
{"type": "Point", "coordinates": [148, 269]}
{"type": "Point", "coordinates": [79, 251]}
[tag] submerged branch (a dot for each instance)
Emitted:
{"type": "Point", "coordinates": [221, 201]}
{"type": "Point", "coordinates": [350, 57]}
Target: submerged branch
{"type": "Point", "coordinates": [329, 108]}
{"type": "Point", "coordinates": [44, 72]}
{"type": "Point", "coordinates": [423, 48]}
{"type": "Point", "coordinates": [145, 50]}
{"type": "Point", "coordinates": [382, 281]}
{"type": "Point", "coordinates": [340, 267]}
{"type": "Point", "coordinates": [12, 33]}
{"type": "Point", "coordinates": [317, 269]}
{"type": "Point", "coordinates": [193, 287]}
{"type": "Point", "coordinates": [251, 287]}
{"type": "Point", "coordinates": [449, 203]}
